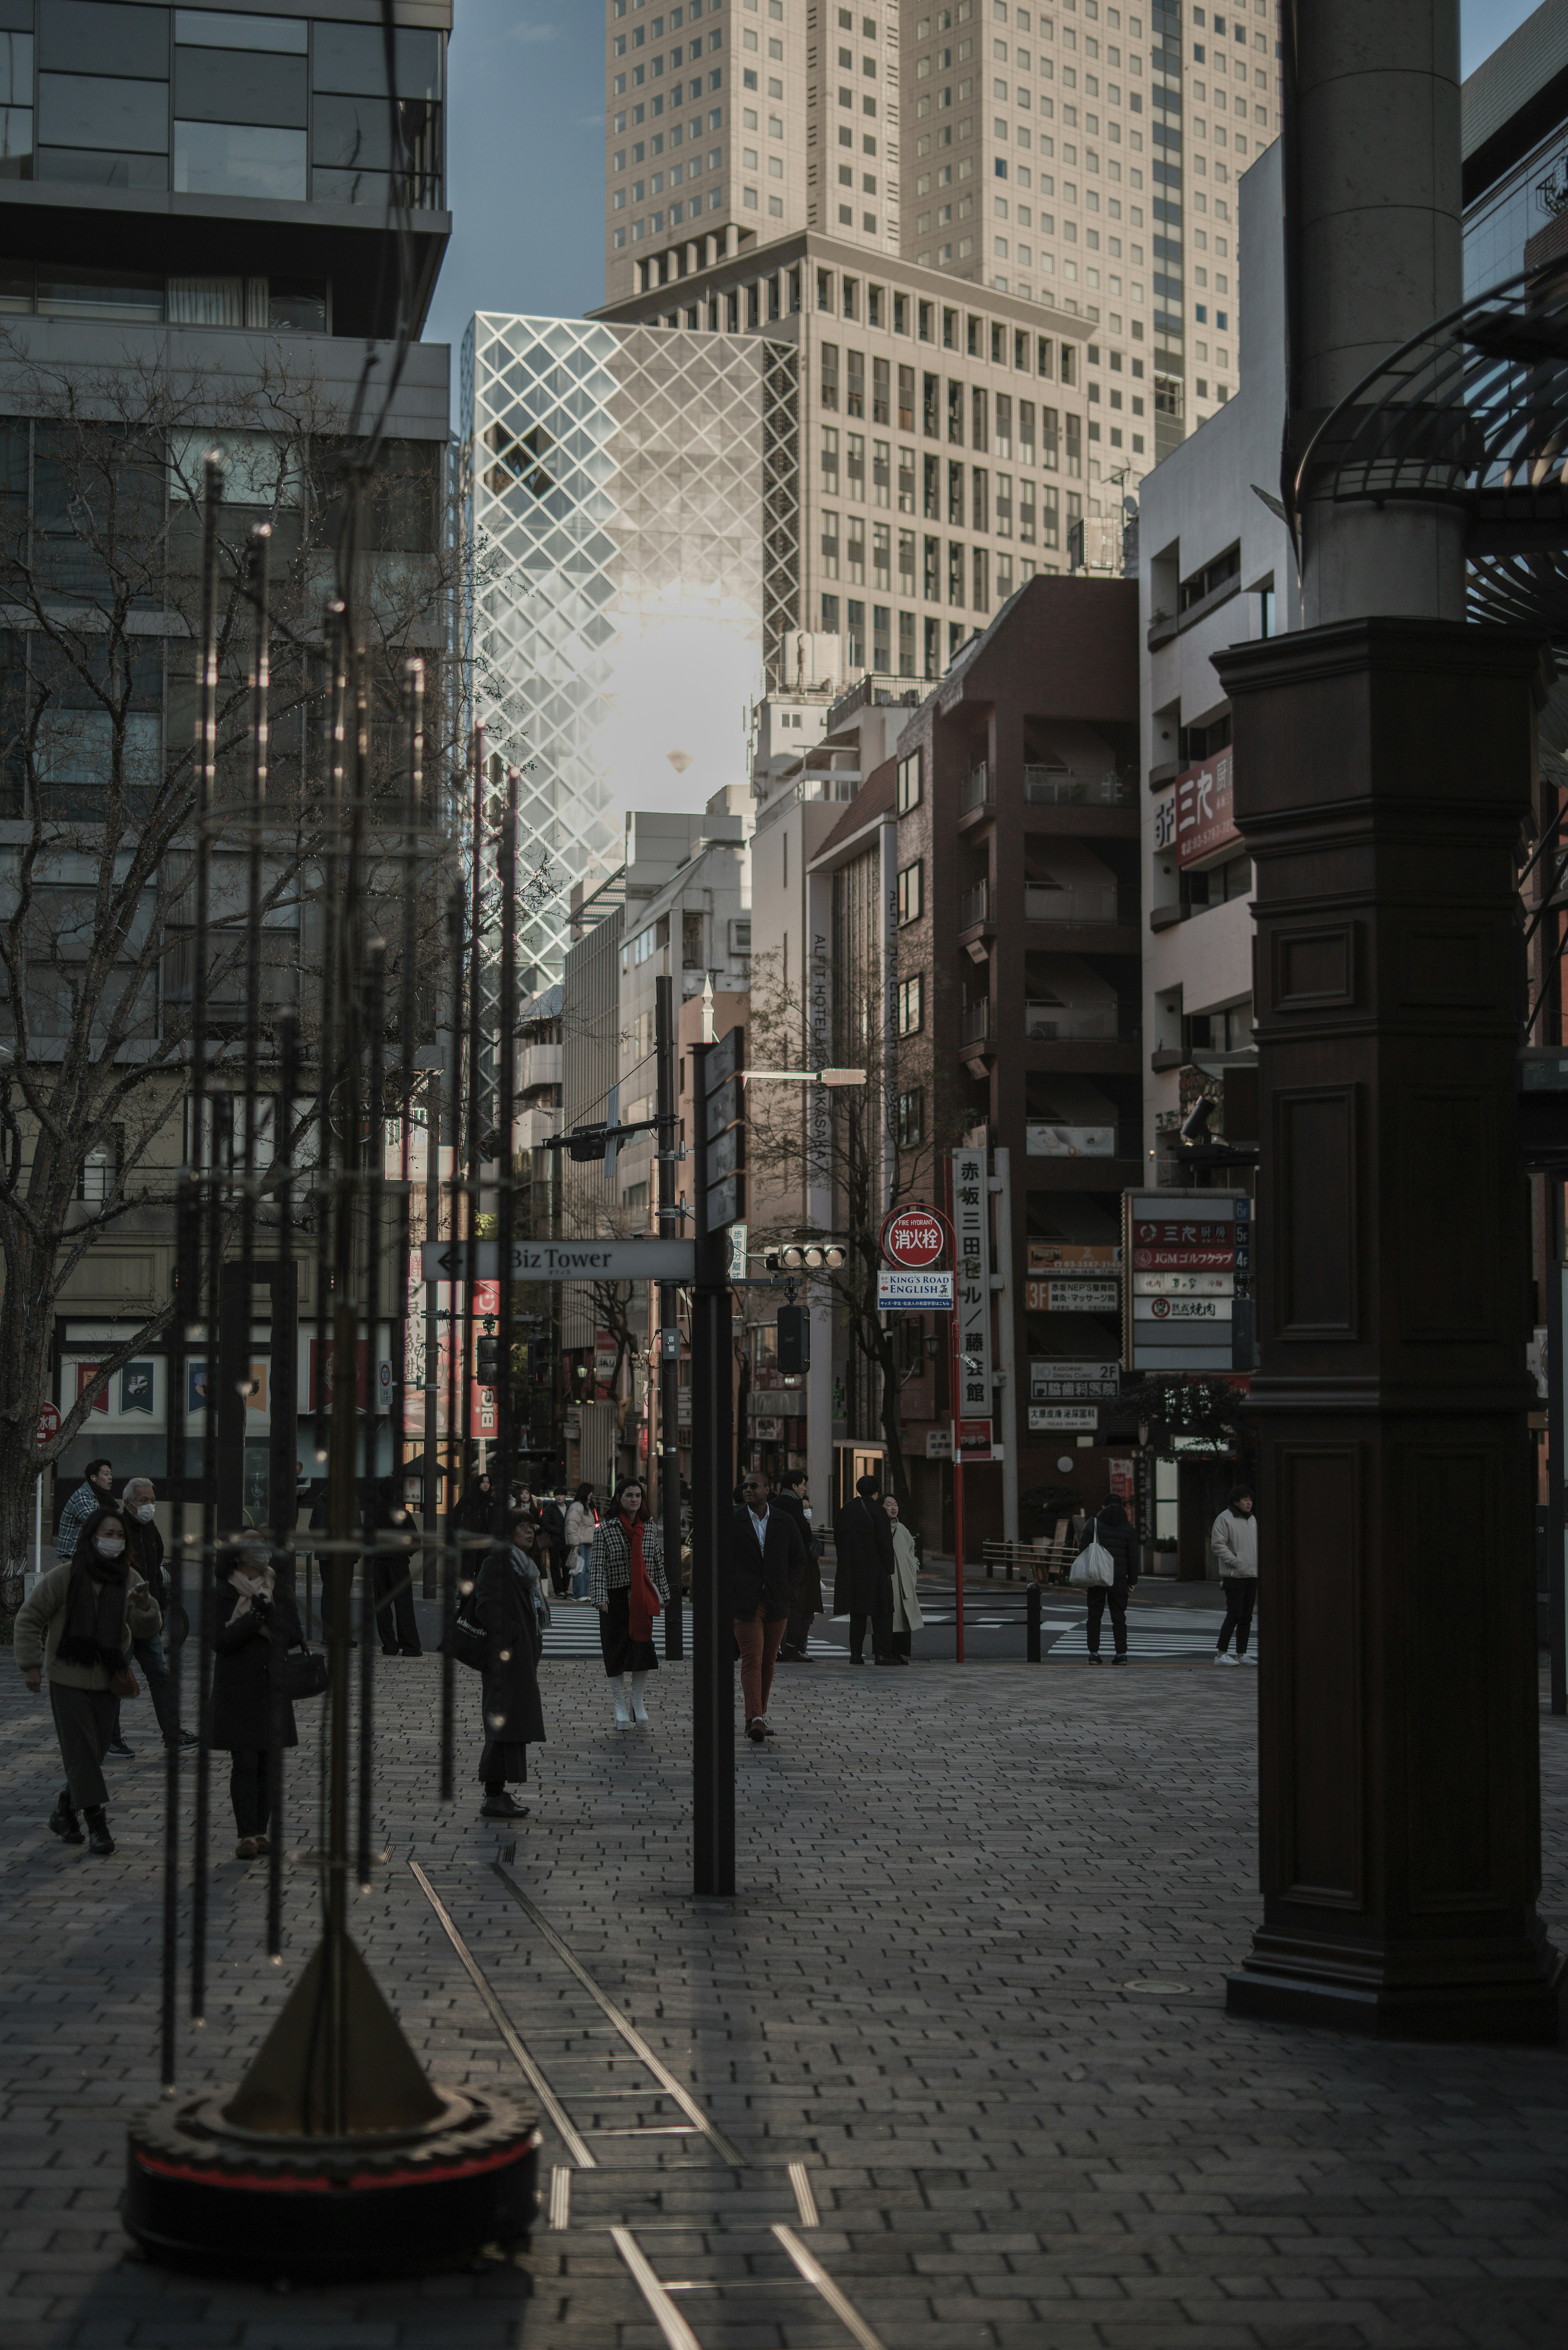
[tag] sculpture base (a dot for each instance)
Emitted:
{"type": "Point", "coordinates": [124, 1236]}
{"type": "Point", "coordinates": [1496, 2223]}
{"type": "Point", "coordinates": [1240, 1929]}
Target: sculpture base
{"type": "Point", "coordinates": [202, 2194]}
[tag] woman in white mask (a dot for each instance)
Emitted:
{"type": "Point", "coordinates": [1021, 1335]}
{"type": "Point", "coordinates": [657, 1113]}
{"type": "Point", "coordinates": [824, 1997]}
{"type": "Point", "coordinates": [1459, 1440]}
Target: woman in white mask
{"type": "Point", "coordinates": [76, 1631]}
{"type": "Point", "coordinates": [144, 1549]}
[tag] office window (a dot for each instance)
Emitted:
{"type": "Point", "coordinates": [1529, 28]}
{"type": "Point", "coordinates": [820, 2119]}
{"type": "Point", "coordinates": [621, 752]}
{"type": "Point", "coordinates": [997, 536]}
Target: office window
{"type": "Point", "coordinates": [830, 459]}
{"type": "Point", "coordinates": [906, 481]}
{"type": "Point", "coordinates": [911, 1117]}
{"type": "Point", "coordinates": [906, 399]}
{"type": "Point", "coordinates": [908, 783]}
{"type": "Point", "coordinates": [981, 574]}
{"type": "Point", "coordinates": [882, 639]}
{"type": "Point", "coordinates": [1075, 445]}
{"type": "Point", "coordinates": [980, 502]}
{"type": "Point", "coordinates": [931, 396]}
{"type": "Point", "coordinates": [911, 1004]}
{"type": "Point", "coordinates": [854, 549]}
{"type": "Point", "coordinates": [1026, 512]}
{"type": "Point", "coordinates": [854, 633]}
{"type": "Point", "coordinates": [955, 494]}
{"type": "Point", "coordinates": [955, 573]}
{"type": "Point", "coordinates": [911, 902]}
{"type": "Point", "coordinates": [881, 556]}
{"type": "Point", "coordinates": [830, 614]}
{"type": "Point", "coordinates": [855, 466]}
{"type": "Point", "coordinates": [855, 402]}
{"type": "Point", "coordinates": [1049, 457]}
{"type": "Point", "coordinates": [955, 413]}
{"type": "Point", "coordinates": [881, 391]}
{"type": "Point", "coordinates": [977, 404]}
{"type": "Point", "coordinates": [830, 376]}
{"type": "Point", "coordinates": [829, 545]}
{"type": "Point", "coordinates": [907, 628]}
{"type": "Point", "coordinates": [905, 563]}
{"type": "Point", "coordinates": [933, 571]}
{"type": "Point", "coordinates": [1050, 519]}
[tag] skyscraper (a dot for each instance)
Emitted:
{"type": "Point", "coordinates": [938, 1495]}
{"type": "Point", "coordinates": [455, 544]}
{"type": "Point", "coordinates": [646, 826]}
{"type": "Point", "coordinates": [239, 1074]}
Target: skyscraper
{"type": "Point", "coordinates": [1080, 157]}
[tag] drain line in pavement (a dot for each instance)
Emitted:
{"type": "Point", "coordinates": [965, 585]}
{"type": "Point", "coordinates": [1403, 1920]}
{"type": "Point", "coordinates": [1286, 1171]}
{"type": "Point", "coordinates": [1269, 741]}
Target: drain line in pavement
{"type": "Point", "coordinates": [671, 2325]}
{"type": "Point", "coordinates": [623, 2025]}
{"type": "Point", "coordinates": [568, 2136]}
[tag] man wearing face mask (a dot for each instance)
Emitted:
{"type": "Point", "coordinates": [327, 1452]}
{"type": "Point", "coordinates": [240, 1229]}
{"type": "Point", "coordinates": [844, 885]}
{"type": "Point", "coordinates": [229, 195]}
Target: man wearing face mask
{"type": "Point", "coordinates": [144, 1549]}
{"type": "Point", "coordinates": [76, 1628]}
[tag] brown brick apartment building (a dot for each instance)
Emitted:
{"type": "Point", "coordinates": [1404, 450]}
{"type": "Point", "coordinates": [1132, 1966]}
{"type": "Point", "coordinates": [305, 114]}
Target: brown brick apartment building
{"type": "Point", "coordinates": [1017, 1001]}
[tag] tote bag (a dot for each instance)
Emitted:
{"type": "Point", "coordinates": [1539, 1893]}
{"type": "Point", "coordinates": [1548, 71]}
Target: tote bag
{"type": "Point", "coordinates": [1094, 1567]}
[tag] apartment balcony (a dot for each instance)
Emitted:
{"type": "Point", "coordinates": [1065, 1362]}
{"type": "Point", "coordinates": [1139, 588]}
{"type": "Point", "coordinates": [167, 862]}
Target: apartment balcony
{"type": "Point", "coordinates": [1081, 1023]}
{"type": "Point", "coordinates": [1057, 787]}
{"type": "Point", "coordinates": [533, 1127]}
{"type": "Point", "coordinates": [975, 906]}
{"type": "Point", "coordinates": [1074, 901]}
{"type": "Point", "coordinates": [974, 1022]}
{"type": "Point", "coordinates": [978, 791]}
{"type": "Point", "coordinates": [538, 1064]}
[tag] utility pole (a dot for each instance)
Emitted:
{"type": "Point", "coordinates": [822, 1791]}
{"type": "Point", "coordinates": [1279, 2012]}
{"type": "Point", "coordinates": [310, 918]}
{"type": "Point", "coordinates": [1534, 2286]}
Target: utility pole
{"type": "Point", "coordinates": [1006, 1341]}
{"type": "Point", "coordinates": [669, 1364]}
{"type": "Point", "coordinates": [712, 1460]}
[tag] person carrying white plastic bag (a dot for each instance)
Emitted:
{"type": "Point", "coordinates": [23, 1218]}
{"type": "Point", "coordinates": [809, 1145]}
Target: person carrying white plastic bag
{"type": "Point", "coordinates": [1106, 1566]}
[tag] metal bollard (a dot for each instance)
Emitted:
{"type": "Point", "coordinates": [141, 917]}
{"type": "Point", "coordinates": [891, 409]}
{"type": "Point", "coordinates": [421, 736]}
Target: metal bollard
{"type": "Point", "coordinates": [1031, 1652]}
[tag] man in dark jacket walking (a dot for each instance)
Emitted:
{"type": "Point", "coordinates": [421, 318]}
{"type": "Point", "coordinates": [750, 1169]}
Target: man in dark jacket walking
{"type": "Point", "coordinates": [863, 1581]}
{"type": "Point", "coordinates": [767, 1555]}
{"type": "Point", "coordinates": [805, 1592]}
{"type": "Point", "coordinates": [1112, 1532]}
{"type": "Point", "coordinates": [389, 1559]}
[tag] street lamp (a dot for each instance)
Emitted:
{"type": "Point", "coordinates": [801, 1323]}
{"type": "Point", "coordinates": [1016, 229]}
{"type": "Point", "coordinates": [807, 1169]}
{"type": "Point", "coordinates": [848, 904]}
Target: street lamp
{"type": "Point", "coordinates": [804, 1076]}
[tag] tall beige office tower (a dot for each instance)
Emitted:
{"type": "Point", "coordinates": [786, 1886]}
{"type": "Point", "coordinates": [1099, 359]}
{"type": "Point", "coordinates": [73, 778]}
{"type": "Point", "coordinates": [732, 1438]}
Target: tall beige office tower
{"type": "Point", "coordinates": [1081, 158]}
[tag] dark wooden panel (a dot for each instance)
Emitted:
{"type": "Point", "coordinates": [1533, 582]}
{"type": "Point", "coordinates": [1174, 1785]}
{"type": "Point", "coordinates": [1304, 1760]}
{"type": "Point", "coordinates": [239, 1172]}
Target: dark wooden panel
{"type": "Point", "coordinates": [1317, 1233]}
{"type": "Point", "coordinates": [1459, 1548]}
{"type": "Point", "coordinates": [1317, 1546]}
{"type": "Point", "coordinates": [1446, 969]}
{"type": "Point", "coordinates": [1315, 970]}
{"type": "Point", "coordinates": [1447, 1139]}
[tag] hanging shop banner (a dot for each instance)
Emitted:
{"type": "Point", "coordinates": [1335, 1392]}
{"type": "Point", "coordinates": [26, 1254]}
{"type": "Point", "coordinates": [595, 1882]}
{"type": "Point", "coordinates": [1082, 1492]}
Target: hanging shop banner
{"type": "Point", "coordinates": [971, 1228]}
{"type": "Point", "coordinates": [1205, 809]}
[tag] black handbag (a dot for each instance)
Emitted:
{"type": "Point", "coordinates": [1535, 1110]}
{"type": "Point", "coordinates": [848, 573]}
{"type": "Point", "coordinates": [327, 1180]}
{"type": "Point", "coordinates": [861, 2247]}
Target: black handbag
{"type": "Point", "coordinates": [305, 1673]}
{"type": "Point", "coordinates": [468, 1641]}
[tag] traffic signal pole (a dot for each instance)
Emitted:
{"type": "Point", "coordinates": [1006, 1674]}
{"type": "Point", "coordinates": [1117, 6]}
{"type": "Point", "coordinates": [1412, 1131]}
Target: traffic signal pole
{"type": "Point", "coordinates": [668, 1365]}
{"type": "Point", "coordinates": [712, 1458]}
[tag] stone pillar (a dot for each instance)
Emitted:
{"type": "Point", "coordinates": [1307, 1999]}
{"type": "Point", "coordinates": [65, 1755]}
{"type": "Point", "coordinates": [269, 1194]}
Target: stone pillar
{"type": "Point", "coordinates": [1375, 202]}
{"type": "Point", "coordinates": [1383, 770]}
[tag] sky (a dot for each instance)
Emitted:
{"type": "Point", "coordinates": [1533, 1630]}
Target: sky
{"type": "Point", "coordinates": [526, 154]}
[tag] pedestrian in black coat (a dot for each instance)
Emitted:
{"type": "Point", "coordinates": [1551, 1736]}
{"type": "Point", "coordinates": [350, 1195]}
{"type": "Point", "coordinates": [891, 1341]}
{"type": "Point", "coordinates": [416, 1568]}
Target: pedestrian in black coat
{"type": "Point", "coordinates": [805, 1594]}
{"type": "Point", "coordinates": [1112, 1532]}
{"type": "Point", "coordinates": [509, 1602]}
{"type": "Point", "coordinates": [863, 1582]}
{"type": "Point", "coordinates": [390, 1558]}
{"type": "Point", "coordinates": [766, 1556]}
{"type": "Point", "coordinates": [248, 1710]}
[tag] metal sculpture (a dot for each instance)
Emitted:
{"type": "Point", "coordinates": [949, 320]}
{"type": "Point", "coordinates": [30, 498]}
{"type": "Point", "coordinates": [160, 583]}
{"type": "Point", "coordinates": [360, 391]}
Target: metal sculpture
{"type": "Point", "coordinates": [336, 2154]}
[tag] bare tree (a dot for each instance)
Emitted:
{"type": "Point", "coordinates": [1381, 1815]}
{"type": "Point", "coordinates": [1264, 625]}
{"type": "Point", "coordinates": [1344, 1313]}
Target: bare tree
{"type": "Point", "coordinates": [844, 1145]}
{"type": "Point", "coordinates": [102, 480]}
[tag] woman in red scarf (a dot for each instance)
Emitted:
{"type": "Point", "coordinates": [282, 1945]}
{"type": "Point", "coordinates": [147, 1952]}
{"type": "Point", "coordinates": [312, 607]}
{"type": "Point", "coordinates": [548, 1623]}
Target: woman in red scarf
{"type": "Point", "coordinates": [626, 1584]}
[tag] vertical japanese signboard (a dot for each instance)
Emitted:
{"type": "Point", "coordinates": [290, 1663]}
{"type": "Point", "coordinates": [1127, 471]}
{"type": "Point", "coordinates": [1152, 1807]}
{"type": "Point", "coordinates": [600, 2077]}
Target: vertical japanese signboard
{"type": "Point", "coordinates": [972, 1289]}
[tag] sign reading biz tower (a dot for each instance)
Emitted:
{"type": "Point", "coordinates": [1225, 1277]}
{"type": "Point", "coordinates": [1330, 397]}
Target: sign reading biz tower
{"type": "Point", "coordinates": [1187, 1304]}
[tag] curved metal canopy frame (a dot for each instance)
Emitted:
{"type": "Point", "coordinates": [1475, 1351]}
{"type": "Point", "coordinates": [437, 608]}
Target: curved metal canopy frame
{"type": "Point", "coordinates": [1471, 412]}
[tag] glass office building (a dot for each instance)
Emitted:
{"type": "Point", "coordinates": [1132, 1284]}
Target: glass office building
{"type": "Point", "coordinates": [633, 563]}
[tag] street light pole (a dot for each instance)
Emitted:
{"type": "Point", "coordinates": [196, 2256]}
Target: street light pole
{"type": "Point", "coordinates": [712, 1451]}
{"type": "Point", "coordinates": [668, 1365]}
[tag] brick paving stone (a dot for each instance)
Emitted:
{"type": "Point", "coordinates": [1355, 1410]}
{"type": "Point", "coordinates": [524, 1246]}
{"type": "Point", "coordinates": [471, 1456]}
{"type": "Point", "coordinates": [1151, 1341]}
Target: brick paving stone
{"type": "Point", "coordinates": [926, 1991]}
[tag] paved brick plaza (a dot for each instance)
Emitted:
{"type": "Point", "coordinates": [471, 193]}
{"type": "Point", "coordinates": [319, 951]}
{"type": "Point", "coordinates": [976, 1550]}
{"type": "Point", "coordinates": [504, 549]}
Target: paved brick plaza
{"type": "Point", "coordinates": [955, 1880]}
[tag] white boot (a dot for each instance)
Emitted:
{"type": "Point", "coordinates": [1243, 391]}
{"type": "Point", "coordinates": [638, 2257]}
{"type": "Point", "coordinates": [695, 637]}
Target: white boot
{"type": "Point", "coordinates": [638, 1709]}
{"type": "Point", "coordinates": [618, 1691]}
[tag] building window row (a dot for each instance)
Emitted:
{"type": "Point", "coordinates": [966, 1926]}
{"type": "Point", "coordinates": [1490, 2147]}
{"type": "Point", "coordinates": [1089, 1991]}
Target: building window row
{"type": "Point", "coordinates": [213, 102]}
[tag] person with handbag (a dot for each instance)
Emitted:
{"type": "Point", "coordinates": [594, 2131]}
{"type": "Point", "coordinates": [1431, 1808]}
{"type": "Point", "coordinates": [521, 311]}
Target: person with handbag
{"type": "Point", "coordinates": [582, 1525]}
{"type": "Point", "coordinates": [510, 1606]}
{"type": "Point", "coordinates": [144, 1549]}
{"type": "Point", "coordinates": [863, 1575]}
{"type": "Point", "coordinates": [906, 1616]}
{"type": "Point", "coordinates": [1234, 1541]}
{"type": "Point", "coordinates": [76, 1628]}
{"type": "Point", "coordinates": [1112, 1534]}
{"type": "Point", "coordinates": [252, 1708]}
{"type": "Point", "coordinates": [626, 1584]}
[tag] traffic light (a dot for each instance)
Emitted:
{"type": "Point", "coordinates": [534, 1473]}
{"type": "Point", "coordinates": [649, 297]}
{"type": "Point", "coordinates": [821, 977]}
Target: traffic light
{"type": "Point", "coordinates": [487, 1361]}
{"type": "Point", "coordinates": [794, 1339]}
{"type": "Point", "coordinates": [806, 1256]}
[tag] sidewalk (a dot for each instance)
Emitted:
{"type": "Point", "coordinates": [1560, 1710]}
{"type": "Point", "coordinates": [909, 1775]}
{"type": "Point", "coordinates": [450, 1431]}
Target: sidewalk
{"type": "Point", "coordinates": [973, 1983]}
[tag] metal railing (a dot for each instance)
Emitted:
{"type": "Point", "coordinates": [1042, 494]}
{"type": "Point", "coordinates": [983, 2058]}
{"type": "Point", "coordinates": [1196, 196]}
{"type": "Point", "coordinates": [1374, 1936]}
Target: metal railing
{"type": "Point", "coordinates": [977, 788]}
{"type": "Point", "coordinates": [1083, 1022]}
{"type": "Point", "coordinates": [1054, 787]}
{"type": "Point", "coordinates": [974, 905]}
{"type": "Point", "coordinates": [974, 1022]}
{"type": "Point", "coordinates": [1088, 901]}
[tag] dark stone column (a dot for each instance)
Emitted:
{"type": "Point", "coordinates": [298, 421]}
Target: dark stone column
{"type": "Point", "coordinates": [1383, 771]}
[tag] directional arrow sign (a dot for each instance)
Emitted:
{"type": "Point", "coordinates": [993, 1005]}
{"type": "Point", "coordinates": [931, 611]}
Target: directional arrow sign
{"type": "Point", "coordinates": [636, 1260]}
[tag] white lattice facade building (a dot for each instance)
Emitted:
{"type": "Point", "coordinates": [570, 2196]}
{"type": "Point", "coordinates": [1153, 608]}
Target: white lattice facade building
{"type": "Point", "coordinates": [633, 565]}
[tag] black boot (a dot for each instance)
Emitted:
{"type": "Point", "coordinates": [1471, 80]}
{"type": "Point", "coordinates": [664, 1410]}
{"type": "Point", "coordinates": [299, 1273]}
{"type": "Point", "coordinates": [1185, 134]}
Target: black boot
{"type": "Point", "coordinates": [64, 1821]}
{"type": "Point", "coordinates": [98, 1837]}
